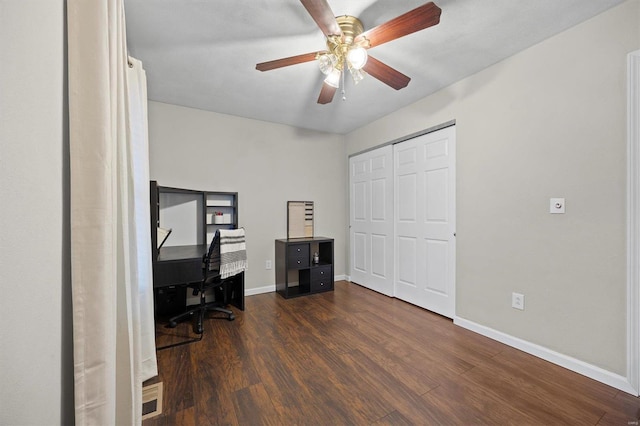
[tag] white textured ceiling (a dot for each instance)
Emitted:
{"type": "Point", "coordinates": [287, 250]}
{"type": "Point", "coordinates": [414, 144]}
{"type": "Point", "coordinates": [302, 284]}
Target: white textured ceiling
{"type": "Point", "coordinates": [202, 53]}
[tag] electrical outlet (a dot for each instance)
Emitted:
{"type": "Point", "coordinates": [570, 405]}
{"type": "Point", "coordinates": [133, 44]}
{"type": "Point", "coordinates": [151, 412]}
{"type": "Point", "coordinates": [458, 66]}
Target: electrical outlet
{"type": "Point", "coordinates": [517, 301]}
{"type": "Point", "coordinates": [267, 264]}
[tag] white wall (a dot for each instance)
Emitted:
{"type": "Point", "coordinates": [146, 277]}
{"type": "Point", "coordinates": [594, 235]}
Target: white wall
{"type": "Point", "coordinates": [35, 358]}
{"type": "Point", "coordinates": [267, 164]}
{"type": "Point", "coordinates": [547, 122]}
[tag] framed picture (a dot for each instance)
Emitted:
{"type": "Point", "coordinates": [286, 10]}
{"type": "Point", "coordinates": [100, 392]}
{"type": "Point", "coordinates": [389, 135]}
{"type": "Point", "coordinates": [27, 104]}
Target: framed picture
{"type": "Point", "coordinates": [299, 219]}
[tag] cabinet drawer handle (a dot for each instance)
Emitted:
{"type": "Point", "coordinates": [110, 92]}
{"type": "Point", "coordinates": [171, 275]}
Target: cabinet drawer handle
{"type": "Point", "coordinates": [321, 272]}
{"type": "Point", "coordinates": [298, 250]}
{"type": "Point", "coordinates": [298, 262]}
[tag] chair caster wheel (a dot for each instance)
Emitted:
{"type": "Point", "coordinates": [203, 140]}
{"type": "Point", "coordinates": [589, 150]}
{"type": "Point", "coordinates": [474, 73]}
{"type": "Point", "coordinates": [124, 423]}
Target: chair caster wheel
{"type": "Point", "coordinates": [231, 317]}
{"type": "Point", "coordinates": [198, 330]}
{"type": "Point", "coordinates": [172, 324]}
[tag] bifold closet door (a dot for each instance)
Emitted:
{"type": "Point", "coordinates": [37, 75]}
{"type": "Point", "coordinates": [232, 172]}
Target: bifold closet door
{"type": "Point", "coordinates": [424, 177]}
{"type": "Point", "coordinates": [371, 219]}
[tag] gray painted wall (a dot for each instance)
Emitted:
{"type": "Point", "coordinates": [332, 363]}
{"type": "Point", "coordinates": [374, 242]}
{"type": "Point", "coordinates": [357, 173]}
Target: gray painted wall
{"type": "Point", "coordinates": [36, 368]}
{"type": "Point", "coordinates": [267, 164]}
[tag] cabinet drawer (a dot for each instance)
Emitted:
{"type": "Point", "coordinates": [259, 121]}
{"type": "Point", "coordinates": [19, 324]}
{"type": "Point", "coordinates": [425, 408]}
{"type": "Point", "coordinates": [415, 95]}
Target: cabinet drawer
{"type": "Point", "coordinates": [321, 285]}
{"type": "Point", "coordinates": [298, 250]}
{"type": "Point", "coordinates": [321, 278]}
{"type": "Point", "coordinates": [321, 273]}
{"type": "Point", "coordinates": [298, 256]}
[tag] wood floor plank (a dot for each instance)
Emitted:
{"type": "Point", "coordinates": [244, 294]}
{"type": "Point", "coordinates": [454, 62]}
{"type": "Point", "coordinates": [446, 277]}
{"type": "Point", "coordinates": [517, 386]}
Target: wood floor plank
{"type": "Point", "coordinates": [527, 396]}
{"type": "Point", "coordinates": [461, 402]}
{"type": "Point", "coordinates": [177, 370]}
{"type": "Point", "coordinates": [356, 357]}
{"type": "Point", "coordinates": [552, 379]}
{"type": "Point", "coordinates": [278, 368]}
{"type": "Point", "coordinates": [393, 419]}
{"type": "Point", "coordinates": [394, 392]}
{"type": "Point", "coordinates": [626, 411]}
{"type": "Point", "coordinates": [422, 353]}
{"type": "Point", "coordinates": [389, 361]}
{"type": "Point", "coordinates": [253, 406]}
{"type": "Point", "coordinates": [444, 340]}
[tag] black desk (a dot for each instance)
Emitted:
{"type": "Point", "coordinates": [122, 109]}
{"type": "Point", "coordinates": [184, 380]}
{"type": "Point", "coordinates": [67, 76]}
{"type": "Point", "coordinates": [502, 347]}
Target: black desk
{"type": "Point", "coordinates": [182, 265]}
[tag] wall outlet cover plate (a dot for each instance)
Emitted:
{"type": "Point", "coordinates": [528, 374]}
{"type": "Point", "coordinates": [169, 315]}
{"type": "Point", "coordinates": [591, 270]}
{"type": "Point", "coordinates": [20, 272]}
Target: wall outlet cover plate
{"type": "Point", "coordinates": [556, 205]}
{"type": "Point", "coordinates": [517, 301]}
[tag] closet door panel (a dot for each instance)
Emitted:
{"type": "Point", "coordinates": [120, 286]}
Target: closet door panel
{"type": "Point", "coordinates": [437, 264]}
{"type": "Point", "coordinates": [379, 255]}
{"type": "Point", "coordinates": [359, 248]}
{"type": "Point", "coordinates": [407, 256]}
{"type": "Point", "coordinates": [371, 220]}
{"type": "Point", "coordinates": [424, 173]}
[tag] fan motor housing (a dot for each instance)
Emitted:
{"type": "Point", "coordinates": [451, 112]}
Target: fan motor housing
{"type": "Point", "coordinates": [351, 27]}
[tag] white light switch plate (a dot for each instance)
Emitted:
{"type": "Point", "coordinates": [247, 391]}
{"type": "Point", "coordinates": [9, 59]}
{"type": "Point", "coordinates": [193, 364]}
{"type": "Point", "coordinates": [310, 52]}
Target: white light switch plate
{"type": "Point", "coordinates": [556, 205]}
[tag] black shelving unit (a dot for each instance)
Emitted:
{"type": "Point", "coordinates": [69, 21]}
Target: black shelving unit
{"type": "Point", "coordinates": [297, 271]}
{"type": "Point", "coordinates": [208, 204]}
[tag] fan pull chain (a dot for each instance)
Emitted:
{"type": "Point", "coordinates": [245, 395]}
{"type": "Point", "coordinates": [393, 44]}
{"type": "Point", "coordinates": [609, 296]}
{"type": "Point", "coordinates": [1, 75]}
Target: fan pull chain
{"type": "Point", "coordinates": [344, 95]}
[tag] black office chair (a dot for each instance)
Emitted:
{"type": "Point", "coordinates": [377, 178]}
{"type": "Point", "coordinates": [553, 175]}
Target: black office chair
{"type": "Point", "coordinates": [212, 264]}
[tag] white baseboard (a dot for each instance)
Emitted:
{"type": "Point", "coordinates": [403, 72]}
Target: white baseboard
{"type": "Point", "coordinates": [615, 380]}
{"type": "Point", "coordinates": [259, 290]}
{"type": "Point", "coordinates": [272, 287]}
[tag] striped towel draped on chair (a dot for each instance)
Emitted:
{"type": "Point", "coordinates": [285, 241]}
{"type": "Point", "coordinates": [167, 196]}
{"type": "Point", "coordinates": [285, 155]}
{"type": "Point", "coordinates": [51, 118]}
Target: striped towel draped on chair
{"type": "Point", "coordinates": [233, 252]}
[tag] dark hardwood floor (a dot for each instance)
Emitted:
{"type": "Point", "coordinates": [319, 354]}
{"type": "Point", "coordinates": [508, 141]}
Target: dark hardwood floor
{"type": "Point", "coordinates": [354, 356]}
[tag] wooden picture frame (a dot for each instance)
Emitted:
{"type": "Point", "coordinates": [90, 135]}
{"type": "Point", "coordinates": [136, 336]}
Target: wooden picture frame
{"type": "Point", "coordinates": [299, 219]}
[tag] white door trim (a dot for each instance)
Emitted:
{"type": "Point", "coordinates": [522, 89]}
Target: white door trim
{"type": "Point", "coordinates": [407, 137]}
{"type": "Point", "coordinates": [633, 220]}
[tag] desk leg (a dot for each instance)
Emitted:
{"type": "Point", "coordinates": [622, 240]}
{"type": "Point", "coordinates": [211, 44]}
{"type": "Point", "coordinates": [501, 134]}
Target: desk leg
{"type": "Point", "coordinates": [237, 292]}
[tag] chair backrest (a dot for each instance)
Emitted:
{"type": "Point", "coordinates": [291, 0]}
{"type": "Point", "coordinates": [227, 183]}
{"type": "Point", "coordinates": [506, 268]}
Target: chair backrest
{"type": "Point", "coordinates": [211, 260]}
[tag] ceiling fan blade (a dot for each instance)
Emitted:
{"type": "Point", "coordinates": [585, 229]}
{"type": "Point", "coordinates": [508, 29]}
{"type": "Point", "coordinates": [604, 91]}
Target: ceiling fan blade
{"type": "Point", "coordinates": [285, 62]}
{"type": "Point", "coordinates": [324, 17]}
{"type": "Point", "coordinates": [417, 19]}
{"type": "Point", "coordinates": [326, 94]}
{"type": "Point", "coordinates": [386, 74]}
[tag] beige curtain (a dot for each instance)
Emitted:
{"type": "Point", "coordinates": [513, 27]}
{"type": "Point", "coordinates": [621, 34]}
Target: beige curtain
{"type": "Point", "coordinates": [114, 347]}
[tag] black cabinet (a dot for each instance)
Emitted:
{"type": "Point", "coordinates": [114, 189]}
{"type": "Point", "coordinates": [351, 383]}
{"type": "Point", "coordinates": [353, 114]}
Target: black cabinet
{"type": "Point", "coordinates": [304, 266]}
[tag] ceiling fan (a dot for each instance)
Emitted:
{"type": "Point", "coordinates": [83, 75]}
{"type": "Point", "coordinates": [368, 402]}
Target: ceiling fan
{"type": "Point", "coordinates": [347, 45]}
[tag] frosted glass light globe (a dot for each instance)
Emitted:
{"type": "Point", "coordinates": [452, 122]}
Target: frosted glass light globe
{"type": "Point", "coordinates": [357, 57]}
{"type": "Point", "coordinates": [326, 63]}
{"type": "Point", "coordinates": [333, 79]}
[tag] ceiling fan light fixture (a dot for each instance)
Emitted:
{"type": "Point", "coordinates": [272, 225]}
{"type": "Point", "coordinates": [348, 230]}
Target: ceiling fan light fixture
{"type": "Point", "coordinates": [333, 78]}
{"type": "Point", "coordinates": [356, 75]}
{"type": "Point", "coordinates": [327, 63]}
{"type": "Point", "coordinates": [357, 57]}
{"type": "Point", "coordinates": [347, 45]}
